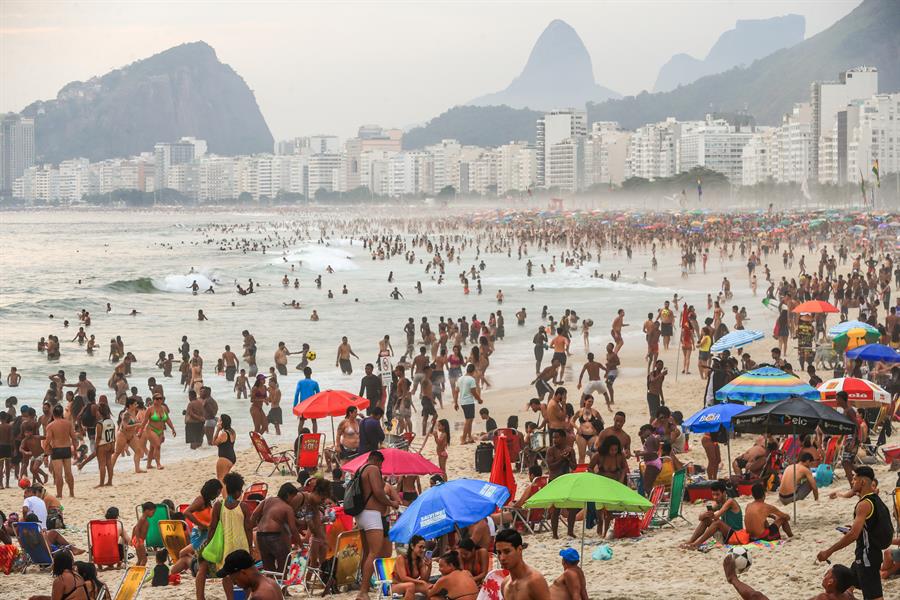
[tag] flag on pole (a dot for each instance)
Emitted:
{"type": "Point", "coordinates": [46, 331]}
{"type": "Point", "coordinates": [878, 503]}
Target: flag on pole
{"type": "Point", "coordinates": [877, 174]}
{"type": "Point", "coordinates": [699, 189]}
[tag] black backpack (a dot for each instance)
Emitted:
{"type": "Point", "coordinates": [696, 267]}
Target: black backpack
{"type": "Point", "coordinates": [881, 533]}
{"type": "Point", "coordinates": [354, 501]}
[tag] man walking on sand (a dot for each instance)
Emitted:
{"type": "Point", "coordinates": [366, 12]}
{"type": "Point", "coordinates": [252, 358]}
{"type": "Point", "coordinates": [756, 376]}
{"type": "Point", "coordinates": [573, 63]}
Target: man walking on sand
{"type": "Point", "coordinates": [371, 521]}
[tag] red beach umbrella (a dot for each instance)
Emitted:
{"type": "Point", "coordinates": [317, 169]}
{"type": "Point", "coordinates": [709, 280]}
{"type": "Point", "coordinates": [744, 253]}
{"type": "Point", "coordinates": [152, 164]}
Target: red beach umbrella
{"type": "Point", "coordinates": [501, 470]}
{"type": "Point", "coordinates": [330, 403]}
{"type": "Point", "coordinates": [816, 306]}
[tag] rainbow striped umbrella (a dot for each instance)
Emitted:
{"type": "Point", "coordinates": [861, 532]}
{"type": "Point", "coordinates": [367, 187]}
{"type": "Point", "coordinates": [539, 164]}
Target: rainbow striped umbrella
{"type": "Point", "coordinates": [766, 384]}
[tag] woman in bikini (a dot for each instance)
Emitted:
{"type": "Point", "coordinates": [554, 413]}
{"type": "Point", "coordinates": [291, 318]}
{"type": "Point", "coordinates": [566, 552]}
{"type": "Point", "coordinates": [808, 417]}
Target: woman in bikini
{"type": "Point", "coordinates": [67, 584]}
{"type": "Point", "coordinates": [199, 513]}
{"type": "Point", "coordinates": [127, 435]}
{"type": "Point", "coordinates": [442, 440]}
{"type": "Point", "coordinates": [454, 583]}
{"type": "Point", "coordinates": [474, 559]}
{"type": "Point", "coordinates": [710, 443]}
{"type": "Point", "coordinates": [609, 461]}
{"type": "Point", "coordinates": [156, 418]}
{"type": "Point", "coordinates": [347, 437]}
{"type": "Point", "coordinates": [411, 570]}
{"type": "Point", "coordinates": [589, 423]}
{"type": "Point", "coordinates": [223, 439]}
{"type": "Point", "coordinates": [258, 395]}
{"type": "Point", "coordinates": [455, 364]}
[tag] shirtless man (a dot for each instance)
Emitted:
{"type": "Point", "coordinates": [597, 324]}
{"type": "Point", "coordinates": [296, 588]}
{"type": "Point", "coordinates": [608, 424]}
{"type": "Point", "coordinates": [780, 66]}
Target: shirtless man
{"type": "Point", "coordinates": [560, 345]}
{"type": "Point", "coordinates": [276, 528]}
{"type": "Point", "coordinates": [837, 582]}
{"type": "Point", "coordinates": [241, 568]}
{"type": "Point", "coordinates": [756, 523]}
{"type": "Point", "coordinates": [556, 411]}
{"type": "Point", "coordinates": [231, 363]}
{"type": "Point", "coordinates": [617, 430]}
{"type": "Point", "coordinates": [798, 472]}
{"type": "Point", "coordinates": [542, 382]}
{"type": "Point", "coordinates": [344, 352]}
{"type": "Point", "coordinates": [523, 582]}
{"type": "Point", "coordinates": [281, 358]}
{"type": "Point", "coordinates": [595, 381]}
{"type": "Point", "coordinates": [571, 584]}
{"type": "Point", "coordinates": [617, 325]}
{"type": "Point", "coordinates": [59, 443]}
{"type": "Point", "coordinates": [753, 460]}
{"type": "Point", "coordinates": [418, 366]}
{"type": "Point", "coordinates": [370, 520]}
{"type": "Point", "coordinates": [612, 370]}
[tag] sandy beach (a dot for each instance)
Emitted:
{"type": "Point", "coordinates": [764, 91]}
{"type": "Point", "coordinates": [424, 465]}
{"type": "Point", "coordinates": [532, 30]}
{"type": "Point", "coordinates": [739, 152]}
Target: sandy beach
{"type": "Point", "coordinates": [650, 567]}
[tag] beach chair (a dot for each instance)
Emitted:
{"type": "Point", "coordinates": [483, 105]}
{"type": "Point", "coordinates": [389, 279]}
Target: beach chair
{"type": "Point", "coordinates": [293, 574]}
{"type": "Point", "coordinates": [310, 451]}
{"type": "Point", "coordinates": [154, 539]}
{"type": "Point", "coordinates": [174, 537]}
{"type": "Point", "coordinates": [655, 498]}
{"type": "Point", "coordinates": [103, 543]}
{"type": "Point", "coordinates": [897, 506]}
{"type": "Point", "coordinates": [671, 508]}
{"type": "Point", "coordinates": [533, 519]}
{"type": "Point", "coordinates": [664, 478]}
{"type": "Point", "coordinates": [268, 455]}
{"type": "Point", "coordinates": [130, 586]}
{"type": "Point", "coordinates": [384, 572]}
{"type": "Point", "coordinates": [254, 495]}
{"type": "Point", "coordinates": [347, 556]}
{"type": "Point", "coordinates": [833, 450]}
{"type": "Point", "coordinates": [513, 443]}
{"type": "Point", "coordinates": [34, 545]}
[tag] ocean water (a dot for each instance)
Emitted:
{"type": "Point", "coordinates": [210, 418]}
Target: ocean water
{"type": "Point", "coordinates": [144, 261]}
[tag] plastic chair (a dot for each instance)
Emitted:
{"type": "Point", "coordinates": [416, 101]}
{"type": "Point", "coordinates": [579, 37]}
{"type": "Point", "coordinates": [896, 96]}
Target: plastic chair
{"type": "Point", "coordinates": [130, 586]}
{"type": "Point", "coordinates": [174, 536]}
{"type": "Point", "coordinates": [675, 501]}
{"type": "Point", "coordinates": [103, 542]}
{"type": "Point", "coordinates": [347, 556]}
{"type": "Point", "coordinates": [655, 497]}
{"type": "Point", "coordinates": [268, 455]}
{"type": "Point", "coordinates": [384, 571]}
{"type": "Point", "coordinates": [154, 538]}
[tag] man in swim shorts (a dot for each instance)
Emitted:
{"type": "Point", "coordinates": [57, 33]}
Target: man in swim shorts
{"type": "Point", "coordinates": [756, 523]}
{"type": "Point", "coordinates": [595, 380]}
{"type": "Point", "coordinates": [370, 521]}
{"type": "Point", "coordinates": [60, 441]}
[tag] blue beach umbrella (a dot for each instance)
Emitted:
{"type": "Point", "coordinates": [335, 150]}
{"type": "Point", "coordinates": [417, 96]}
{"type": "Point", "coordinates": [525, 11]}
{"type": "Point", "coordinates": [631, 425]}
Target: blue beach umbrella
{"type": "Point", "coordinates": [736, 339]}
{"type": "Point", "coordinates": [766, 384]}
{"type": "Point", "coordinates": [441, 508]}
{"type": "Point", "coordinates": [711, 418]}
{"type": "Point", "coordinates": [878, 352]}
{"type": "Point", "coordinates": [847, 326]}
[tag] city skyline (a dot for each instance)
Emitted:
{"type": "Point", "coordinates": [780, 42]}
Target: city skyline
{"type": "Point", "coordinates": [43, 46]}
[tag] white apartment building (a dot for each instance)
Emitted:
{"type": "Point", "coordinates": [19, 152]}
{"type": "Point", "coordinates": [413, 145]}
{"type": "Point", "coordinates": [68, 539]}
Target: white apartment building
{"type": "Point", "coordinates": [795, 143]}
{"type": "Point", "coordinates": [324, 144]}
{"type": "Point", "coordinates": [483, 172]}
{"type": "Point", "coordinates": [323, 173]}
{"type": "Point", "coordinates": [553, 128]}
{"type": "Point", "coordinates": [713, 144]}
{"type": "Point", "coordinates": [516, 168]}
{"type": "Point", "coordinates": [75, 179]}
{"type": "Point", "coordinates": [39, 182]}
{"type": "Point", "coordinates": [605, 154]}
{"type": "Point", "coordinates": [564, 167]}
{"type": "Point", "coordinates": [652, 150]}
{"type": "Point", "coordinates": [829, 97]}
{"type": "Point", "coordinates": [873, 127]}
{"type": "Point", "coordinates": [759, 157]}
{"type": "Point", "coordinates": [445, 171]}
{"type": "Point", "coordinates": [403, 174]}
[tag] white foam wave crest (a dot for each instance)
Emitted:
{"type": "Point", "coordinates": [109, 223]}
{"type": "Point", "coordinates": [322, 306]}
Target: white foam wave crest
{"type": "Point", "coordinates": [181, 284]}
{"type": "Point", "coordinates": [318, 258]}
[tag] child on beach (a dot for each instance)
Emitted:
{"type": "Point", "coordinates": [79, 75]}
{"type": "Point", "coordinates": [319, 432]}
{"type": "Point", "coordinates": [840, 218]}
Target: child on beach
{"type": "Point", "coordinates": [32, 450]}
{"type": "Point", "coordinates": [161, 571]}
{"type": "Point", "coordinates": [139, 533]}
{"type": "Point", "coordinates": [6, 448]}
{"type": "Point", "coordinates": [241, 385]}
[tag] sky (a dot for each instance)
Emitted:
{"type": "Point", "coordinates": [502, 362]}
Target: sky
{"type": "Point", "coordinates": [328, 67]}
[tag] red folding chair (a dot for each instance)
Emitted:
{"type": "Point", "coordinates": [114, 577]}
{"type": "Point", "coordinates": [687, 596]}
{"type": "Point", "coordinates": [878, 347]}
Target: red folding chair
{"type": "Point", "coordinates": [513, 443]}
{"type": "Point", "coordinates": [310, 450]}
{"type": "Point", "coordinates": [655, 496]}
{"type": "Point", "coordinates": [103, 542]}
{"type": "Point", "coordinates": [267, 455]}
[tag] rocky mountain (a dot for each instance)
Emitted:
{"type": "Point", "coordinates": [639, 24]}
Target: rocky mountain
{"type": "Point", "coordinates": [559, 73]}
{"type": "Point", "coordinates": [476, 125]}
{"type": "Point", "coordinates": [183, 91]}
{"type": "Point", "coordinates": [748, 41]}
{"type": "Point", "coordinates": [770, 86]}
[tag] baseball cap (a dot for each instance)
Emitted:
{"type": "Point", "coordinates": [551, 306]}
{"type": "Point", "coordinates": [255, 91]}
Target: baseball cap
{"type": "Point", "coordinates": [570, 555]}
{"type": "Point", "coordinates": [234, 562]}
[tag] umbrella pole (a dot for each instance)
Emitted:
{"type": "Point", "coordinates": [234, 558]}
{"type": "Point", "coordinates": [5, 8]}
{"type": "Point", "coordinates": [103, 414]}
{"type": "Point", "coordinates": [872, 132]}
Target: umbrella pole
{"type": "Point", "coordinates": [332, 431]}
{"type": "Point", "coordinates": [728, 445]}
{"type": "Point", "coordinates": [583, 527]}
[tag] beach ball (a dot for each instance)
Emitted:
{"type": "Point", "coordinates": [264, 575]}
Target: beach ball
{"type": "Point", "coordinates": [24, 483]}
{"type": "Point", "coordinates": [741, 558]}
{"type": "Point", "coordinates": [310, 355]}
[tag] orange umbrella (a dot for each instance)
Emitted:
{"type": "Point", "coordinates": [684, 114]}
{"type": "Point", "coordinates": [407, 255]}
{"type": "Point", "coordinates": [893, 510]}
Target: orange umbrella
{"type": "Point", "coordinates": [501, 470]}
{"type": "Point", "coordinates": [816, 306]}
{"type": "Point", "coordinates": [330, 403]}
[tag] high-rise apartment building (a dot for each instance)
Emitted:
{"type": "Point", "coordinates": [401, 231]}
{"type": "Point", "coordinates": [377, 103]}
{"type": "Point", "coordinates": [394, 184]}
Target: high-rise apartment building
{"type": "Point", "coordinates": [553, 128]}
{"type": "Point", "coordinates": [16, 148]}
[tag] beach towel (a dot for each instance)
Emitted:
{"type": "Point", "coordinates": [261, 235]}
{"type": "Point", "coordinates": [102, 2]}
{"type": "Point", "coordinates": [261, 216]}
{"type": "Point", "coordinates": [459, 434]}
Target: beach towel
{"type": "Point", "coordinates": [492, 586]}
{"type": "Point", "coordinates": [711, 544]}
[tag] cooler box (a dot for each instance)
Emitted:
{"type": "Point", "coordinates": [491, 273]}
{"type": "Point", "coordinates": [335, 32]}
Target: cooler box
{"type": "Point", "coordinates": [745, 489]}
{"type": "Point", "coordinates": [484, 457]}
{"type": "Point", "coordinates": [627, 526]}
{"type": "Point", "coordinates": [891, 453]}
{"type": "Point", "coordinates": [699, 491]}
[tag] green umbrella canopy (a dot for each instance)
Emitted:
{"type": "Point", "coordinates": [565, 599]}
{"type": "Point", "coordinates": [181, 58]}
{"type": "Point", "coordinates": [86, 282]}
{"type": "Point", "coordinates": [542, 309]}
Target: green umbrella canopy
{"type": "Point", "coordinates": [574, 490]}
{"type": "Point", "coordinates": [869, 337]}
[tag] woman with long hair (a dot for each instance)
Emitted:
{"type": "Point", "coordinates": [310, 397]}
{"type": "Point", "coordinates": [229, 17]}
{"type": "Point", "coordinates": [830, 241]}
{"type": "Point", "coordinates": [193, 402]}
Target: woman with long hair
{"type": "Point", "coordinates": [609, 461]}
{"type": "Point", "coordinates": [199, 513]}
{"type": "Point", "coordinates": [455, 363]}
{"type": "Point", "coordinates": [411, 570]}
{"type": "Point", "coordinates": [223, 439]}
{"type": "Point", "coordinates": [156, 418]}
{"type": "Point", "coordinates": [442, 440]}
{"type": "Point", "coordinates": [258, 395]}
{"type": "Point", "coordinates": [128, 433]}
{"type": "Point", "coordinates": [455, 582]}
{"type": "Point", "coordinates": [67, 583]}
{"type": "Point", "coordinates": [104, 442]}
{"type": "Point", "coordinates": [782, 331]}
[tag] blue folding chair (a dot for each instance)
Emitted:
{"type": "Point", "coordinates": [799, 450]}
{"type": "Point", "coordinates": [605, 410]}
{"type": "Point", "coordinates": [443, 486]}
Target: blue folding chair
{"type": "Point", "coordinates": [34, 545]}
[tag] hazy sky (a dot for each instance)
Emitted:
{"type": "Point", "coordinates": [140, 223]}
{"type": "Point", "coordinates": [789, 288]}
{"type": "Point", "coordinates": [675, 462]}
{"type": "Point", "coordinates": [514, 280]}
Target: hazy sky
{"type": "Point", "coordinates": [330, 66]}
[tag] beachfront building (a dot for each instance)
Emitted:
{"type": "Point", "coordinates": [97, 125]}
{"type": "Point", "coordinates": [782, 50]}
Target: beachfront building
{"type": "Point", "coordinates": [369, 138]}
{"type": "Point", "coordinates": [565, 165]}
{"type": "Point", "coordinates": [759, 158]}
{"type": "Point", "coordinates": [445, 159]}
{"type": "Point", "coordinates": [169, 154]}
{"type": "Point", "coordinates": [16, 148]}
{"type": "Point", "coordinates": [516, 168]}
{"type": "Point", "coordinates": [713, 144]}
{"type": "Point", "coordinates": [605, 154]}
{"type": "Point", "coordinates": [873, 133]}
{"type": "Point", "coordinates": [37, 183]}
{"type": "Point", "coordinates": [827, 98]}
{"type": "Point", "coordinates": [651, 150]}
{"type": "Point", "coordinates": [553, 128]}
{"type": "Point", "coordinates": [323, 173]}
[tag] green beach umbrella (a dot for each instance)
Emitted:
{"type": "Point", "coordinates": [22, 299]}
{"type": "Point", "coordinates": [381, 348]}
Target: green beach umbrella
{"type": "Point", "coordinates": [576, 490]}
{"type": "Point", "coordinates": [854, 338]}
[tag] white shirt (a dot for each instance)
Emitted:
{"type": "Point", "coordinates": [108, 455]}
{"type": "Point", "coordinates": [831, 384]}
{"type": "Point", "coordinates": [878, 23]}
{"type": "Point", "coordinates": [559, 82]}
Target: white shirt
{"type": "Point", "coordinates": [465, 385]}
{"type": "Point", "coordinates": [37, 506]}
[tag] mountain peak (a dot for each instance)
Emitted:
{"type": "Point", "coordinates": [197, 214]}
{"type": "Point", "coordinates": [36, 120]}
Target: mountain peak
{"type": "Point", "coordinates": [558, 73]}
